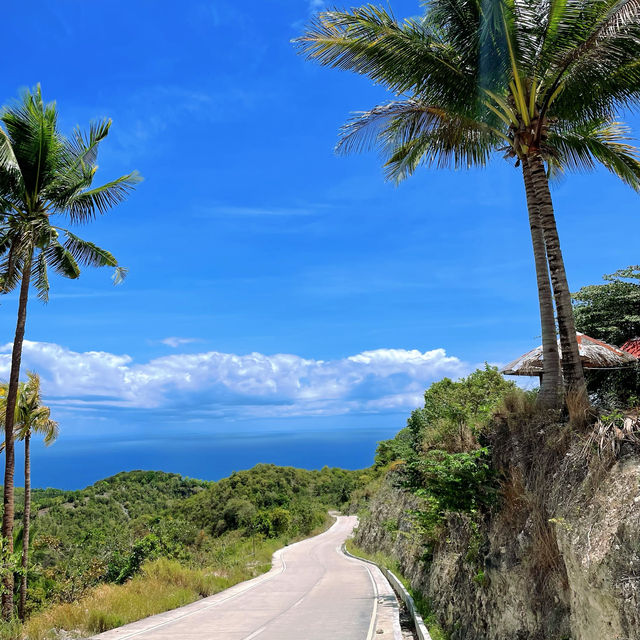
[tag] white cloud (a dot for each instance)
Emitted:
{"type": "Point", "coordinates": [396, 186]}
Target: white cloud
{"type": "Point", "coordinates": [175, 341]}
{"type": "Point", "coordinates": [254, 384]}
{"type": "Point", "coordinates": [229, 210]}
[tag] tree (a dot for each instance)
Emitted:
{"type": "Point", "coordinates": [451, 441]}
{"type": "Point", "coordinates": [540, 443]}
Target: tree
{"type": "Point", "coordinates": [539, 81]}
{"type": "Point", "coordinates": [44, 175]}
{"type": "Point", "coordinates": [611, 312]}
{"type": "Point", "coordinates": [31, 417]}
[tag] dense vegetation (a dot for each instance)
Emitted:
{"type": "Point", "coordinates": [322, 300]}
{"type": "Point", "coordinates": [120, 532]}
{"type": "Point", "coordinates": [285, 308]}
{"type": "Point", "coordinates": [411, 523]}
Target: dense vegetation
{"type": "Point", "coordinates": [442, 455]}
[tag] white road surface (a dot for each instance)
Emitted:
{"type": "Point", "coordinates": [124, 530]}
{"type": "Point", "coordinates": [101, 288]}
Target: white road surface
{"type": "Point", "coordinates": [313, 592]}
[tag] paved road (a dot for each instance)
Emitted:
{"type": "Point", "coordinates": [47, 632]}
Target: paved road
{"type": "Point", "coordinates": [313, 592]}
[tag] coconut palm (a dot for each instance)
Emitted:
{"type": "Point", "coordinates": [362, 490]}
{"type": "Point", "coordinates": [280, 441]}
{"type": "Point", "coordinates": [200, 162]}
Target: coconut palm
{"type": "Point", "coordinates": [539, 81]}
{"type": "Point", "coordinates": [31, 417]}
{"type": "Point", "coordinates": [44, 176]}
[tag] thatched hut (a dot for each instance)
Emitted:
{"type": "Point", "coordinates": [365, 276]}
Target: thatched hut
{"type": "Point", "coordinates": [594, 354]}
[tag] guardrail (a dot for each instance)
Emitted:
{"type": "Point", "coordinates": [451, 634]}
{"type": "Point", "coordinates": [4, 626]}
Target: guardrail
{"type": "Point", "coordinates": [399, 588]}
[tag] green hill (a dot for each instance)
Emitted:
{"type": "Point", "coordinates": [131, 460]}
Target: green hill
{"type": "Point", "coordinates": [105, 532]}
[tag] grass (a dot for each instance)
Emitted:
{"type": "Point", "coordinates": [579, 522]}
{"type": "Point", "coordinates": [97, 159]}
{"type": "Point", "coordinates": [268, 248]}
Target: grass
{"type": "Point", "coordinates": [422, 604]}
{"type": "Point", "coordinates": [162, 585]}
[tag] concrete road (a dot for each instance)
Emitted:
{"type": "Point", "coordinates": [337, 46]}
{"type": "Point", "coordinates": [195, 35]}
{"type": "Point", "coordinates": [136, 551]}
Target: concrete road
{"type": "Point", "coordinates": [313, 592]}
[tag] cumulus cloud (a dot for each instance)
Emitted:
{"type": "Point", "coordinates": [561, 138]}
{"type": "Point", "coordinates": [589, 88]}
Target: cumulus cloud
{"type": "Point", "coordinates": [254, 384]}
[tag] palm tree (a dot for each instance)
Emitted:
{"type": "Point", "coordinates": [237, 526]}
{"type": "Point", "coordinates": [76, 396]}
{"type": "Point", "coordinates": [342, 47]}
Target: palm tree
{"type": "Point", "coordinates": [44, 175]}
{"type": "Point", "coordinates": [539, 81]}
{"type": "Point", "coordinates": [31, 417]}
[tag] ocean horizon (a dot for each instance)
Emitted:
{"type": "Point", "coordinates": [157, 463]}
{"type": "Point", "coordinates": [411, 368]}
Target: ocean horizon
{"type": "Point", "coordinates": [76, 463]}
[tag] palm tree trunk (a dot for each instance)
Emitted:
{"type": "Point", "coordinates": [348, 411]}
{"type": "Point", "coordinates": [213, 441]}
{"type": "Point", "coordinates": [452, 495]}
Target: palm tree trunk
{"type": "Point", "coordinates": [12, 394]}
{"type": "Point", "coordinates": [551, 382]}
{"type": "Point", "coordinates": [25, 528]}
{"type": "Point", "coordinates": [571, 363]}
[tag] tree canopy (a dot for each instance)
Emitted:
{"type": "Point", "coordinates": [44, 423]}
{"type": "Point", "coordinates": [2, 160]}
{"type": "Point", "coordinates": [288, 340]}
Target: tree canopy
{"type": "Point", "coordinates": [610, 311]}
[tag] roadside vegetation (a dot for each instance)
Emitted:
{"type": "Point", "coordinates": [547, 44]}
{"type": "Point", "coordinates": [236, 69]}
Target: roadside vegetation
{"type": "Point", "coordinates": [443, 456]}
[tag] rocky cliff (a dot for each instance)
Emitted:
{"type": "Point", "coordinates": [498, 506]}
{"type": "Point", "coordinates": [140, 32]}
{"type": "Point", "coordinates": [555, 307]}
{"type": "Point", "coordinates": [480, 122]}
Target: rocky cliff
{"type": "Point", "coordinates": [557, 556]}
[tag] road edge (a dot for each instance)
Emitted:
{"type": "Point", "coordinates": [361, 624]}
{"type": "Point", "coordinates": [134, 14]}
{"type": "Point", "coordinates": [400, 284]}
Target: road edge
{"type": "Point", "coordinates": [421, 629]}
{"type": "Point", "coordinates": [136, 628]}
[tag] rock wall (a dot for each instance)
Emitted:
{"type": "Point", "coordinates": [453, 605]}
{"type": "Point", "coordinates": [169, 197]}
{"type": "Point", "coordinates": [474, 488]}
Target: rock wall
{"type": "Point", "coordinates": [557, 559]}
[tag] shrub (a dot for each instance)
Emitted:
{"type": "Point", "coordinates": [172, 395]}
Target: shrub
{"type": "Point", "coordinates": [458, 481]}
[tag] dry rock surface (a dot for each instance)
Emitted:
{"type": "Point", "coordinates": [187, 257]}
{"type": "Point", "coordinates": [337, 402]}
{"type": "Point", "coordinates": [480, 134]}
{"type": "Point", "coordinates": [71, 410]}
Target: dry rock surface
{"type": "Point", "coordinates": [558, 558]}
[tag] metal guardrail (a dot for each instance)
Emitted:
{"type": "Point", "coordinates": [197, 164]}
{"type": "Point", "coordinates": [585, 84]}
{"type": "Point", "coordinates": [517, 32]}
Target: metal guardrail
{"type": "Point", "coordinates": [399, 588]}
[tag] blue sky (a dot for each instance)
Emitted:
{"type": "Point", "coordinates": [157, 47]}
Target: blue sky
{"type": "Point", "coordinates": [249, 236]}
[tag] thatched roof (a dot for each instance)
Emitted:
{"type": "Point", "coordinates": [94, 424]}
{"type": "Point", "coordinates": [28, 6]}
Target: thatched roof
{"type": "Point", "coordinates": [595, 354]}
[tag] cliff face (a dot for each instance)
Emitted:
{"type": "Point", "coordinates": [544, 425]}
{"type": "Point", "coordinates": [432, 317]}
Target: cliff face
{"type": "Point", "coordinates": [558, 557]}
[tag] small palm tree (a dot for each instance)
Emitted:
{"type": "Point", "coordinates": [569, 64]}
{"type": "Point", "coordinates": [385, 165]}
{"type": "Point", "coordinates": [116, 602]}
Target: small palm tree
{"type": "Point", "coordinates": [31, 417]}
{"type": "Point", "coordinates": [539, 81]}
{"type": "Point", "coordinates": [44, 176]}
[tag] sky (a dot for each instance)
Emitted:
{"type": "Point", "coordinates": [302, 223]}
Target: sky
{"type": "Point", "coordinates": [283, 304]}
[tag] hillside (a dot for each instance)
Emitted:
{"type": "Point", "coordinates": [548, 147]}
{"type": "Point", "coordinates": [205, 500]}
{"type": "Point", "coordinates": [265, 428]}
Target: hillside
{"type": "Point", "coordinates": [107, 531]}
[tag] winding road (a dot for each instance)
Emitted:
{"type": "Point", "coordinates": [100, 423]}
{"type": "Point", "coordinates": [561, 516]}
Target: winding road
{"type": "Point", "coordinates": [313, 592]}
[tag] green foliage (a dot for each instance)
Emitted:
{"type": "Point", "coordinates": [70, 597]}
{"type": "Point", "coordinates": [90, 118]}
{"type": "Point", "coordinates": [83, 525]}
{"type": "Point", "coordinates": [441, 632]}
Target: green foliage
{"type": "Point", "coordinates": [269, 499]}
{"type": "Point", "coordinates": [398, 448]}
{"type": "Point", "coordinates": [43, 174]}
{"type": "Point", "coordinates": [547, 79]}
{"type": "Point", "coordinates": [455, 481]}
{"type": "Point", "coordinates": [144, 549]}
{"type": "Point", "coordinates": [455, 413]}
{"type": "Point", "coordinates": [611, 312]}
{"type": "Point", "coordinates": [445, 463]}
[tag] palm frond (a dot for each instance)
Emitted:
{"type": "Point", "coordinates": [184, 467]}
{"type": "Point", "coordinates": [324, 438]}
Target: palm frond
{"type": "Point", "coordinates": [31, 126]}
{"type": "Point", "coordinates": [365, 130]}
{"type": "Point", "coordinates": [607, 143]}
{"type": "Point", "coordinates": [83, 146]}
{"type": "Point", "coordinates": [408, 57]}
{"type": "Point", "coordinates": [41, 277]}
{"type": "Point", "coordinates": [12, 264]}
{"type": "Point", "coordinates": [88, 254]}
{"type": "Point", "coordinates": [119, 275]}
{"type": "Point", "coordinates": [84, 206]}
{"type": "Point", "coordinates": [409, 134]}
{"type": "Point", "coordinates": [61, 260]}
{"type": "Point", "coordinates": [605, 37]}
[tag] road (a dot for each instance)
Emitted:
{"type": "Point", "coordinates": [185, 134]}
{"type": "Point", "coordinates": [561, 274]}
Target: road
{"type": "Point", "coordinates": [313, 592]}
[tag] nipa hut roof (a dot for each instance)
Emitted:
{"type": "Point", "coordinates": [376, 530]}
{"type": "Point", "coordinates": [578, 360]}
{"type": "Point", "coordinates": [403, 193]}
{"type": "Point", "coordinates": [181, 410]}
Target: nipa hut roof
{"type": "Point", "coordinates": [594, 354]}
{"type": "Point", "coordinates": [632, 346]}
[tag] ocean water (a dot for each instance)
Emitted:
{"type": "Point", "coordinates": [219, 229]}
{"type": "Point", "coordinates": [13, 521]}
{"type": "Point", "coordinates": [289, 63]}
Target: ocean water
{"type": "Point", "coordinates": [76, 463]}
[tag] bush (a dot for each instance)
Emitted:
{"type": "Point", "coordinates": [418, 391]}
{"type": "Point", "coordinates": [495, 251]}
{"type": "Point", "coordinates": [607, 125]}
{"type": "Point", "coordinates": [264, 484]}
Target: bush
{"type": "Point", "coordinates": [458, 481]}
{"type": "Point", "coordinates": [455, 414]}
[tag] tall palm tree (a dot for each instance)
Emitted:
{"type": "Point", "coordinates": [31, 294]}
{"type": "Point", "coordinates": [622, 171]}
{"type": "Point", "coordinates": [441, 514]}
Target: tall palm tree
{"type": "Point", "coordinates": [44, 176]}
{"type": "Point", "coordinates": [31, 417]}
{"type": "Point", "coordinates": [539, 81]}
